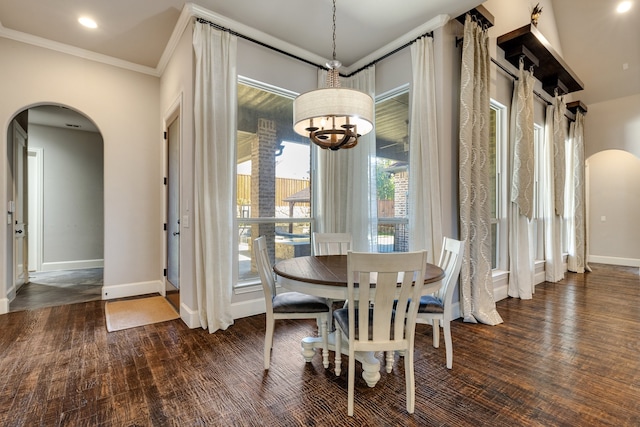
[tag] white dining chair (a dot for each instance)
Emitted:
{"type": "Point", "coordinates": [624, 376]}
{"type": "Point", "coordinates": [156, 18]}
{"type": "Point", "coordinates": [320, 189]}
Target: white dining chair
{"type": "Point", "coordinates": [436, 309]}
{"type": "Point", "coordinates": [288, 305]}
{"type": "Point", "coordinates": [331, 243]}
{"type": "Point", "coordinates": [373, 320]}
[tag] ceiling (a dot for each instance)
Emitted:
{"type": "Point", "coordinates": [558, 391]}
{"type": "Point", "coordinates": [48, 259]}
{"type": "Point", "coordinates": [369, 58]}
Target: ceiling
{"type": "Point", "coordinates": [601, 47]}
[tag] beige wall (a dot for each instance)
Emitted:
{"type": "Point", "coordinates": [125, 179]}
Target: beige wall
{"type": "Point", "coordinates": [124, 105]}
{"type": "Point", "coordinates": [614, 203]}
{"type": "Point", "coordinates": [176, 94]}
{"type": "Point", "coordinates": [611, 125]}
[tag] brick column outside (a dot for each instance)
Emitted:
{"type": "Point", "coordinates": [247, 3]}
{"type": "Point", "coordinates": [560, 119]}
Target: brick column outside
{"type": "Point", "coordinates": [263, 183]}
{"type": "Point", "coordinates": [401, 235]}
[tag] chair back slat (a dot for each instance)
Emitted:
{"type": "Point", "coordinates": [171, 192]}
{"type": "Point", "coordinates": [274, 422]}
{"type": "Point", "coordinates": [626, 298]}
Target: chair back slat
{"type": "Point", "coordinates": [264, 268]}
{"type": "Point", "coordinates": [331, 243]}
{"type": "Point", "coordinates": [450, 262]}
{"type": "Point", "coordinates": [380, 281]}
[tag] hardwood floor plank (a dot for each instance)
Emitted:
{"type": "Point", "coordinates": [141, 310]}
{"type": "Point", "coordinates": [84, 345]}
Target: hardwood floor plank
{"type": "Point", "coordinates": [568, 357]}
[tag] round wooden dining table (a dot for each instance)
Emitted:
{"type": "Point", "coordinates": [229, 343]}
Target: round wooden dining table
{"type": "Point", "coordinates": [326, 276]}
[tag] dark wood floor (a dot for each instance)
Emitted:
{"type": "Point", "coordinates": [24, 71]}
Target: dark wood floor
{"type": "Point", "coordinates": [569, 357]}
{"type": "Point", "coordinates": [51, 288]}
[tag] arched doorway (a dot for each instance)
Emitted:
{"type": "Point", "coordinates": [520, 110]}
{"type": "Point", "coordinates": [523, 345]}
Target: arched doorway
{"type": "Point", "coordinates": [63, 192]}
{"type": "Point", "coordinates": [613, 178]}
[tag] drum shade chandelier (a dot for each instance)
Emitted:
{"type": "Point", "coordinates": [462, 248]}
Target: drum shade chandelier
{"type": "Point", "coordinates": [333, 117]}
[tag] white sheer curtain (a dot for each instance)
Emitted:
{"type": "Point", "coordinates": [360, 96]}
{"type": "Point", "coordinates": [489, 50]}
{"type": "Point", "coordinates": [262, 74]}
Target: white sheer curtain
{"type": "Point", "coordinates": [346, 188]}
{"type": "Point", "coordinates": [425, 216]}
{"type": "Point", "coordinates": [476, 280]}
{"type": "Point", "coordinates": [576, 208]}
{"type": "Point", "coordinates": [521, 254]}
{"type": "Point", "coordinates": [215, 129]}
{"type": "Point", "coordinates": [554, 138]}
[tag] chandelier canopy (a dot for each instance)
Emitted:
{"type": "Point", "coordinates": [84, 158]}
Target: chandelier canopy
{"type": "Point", "coordinates": [333, 117]}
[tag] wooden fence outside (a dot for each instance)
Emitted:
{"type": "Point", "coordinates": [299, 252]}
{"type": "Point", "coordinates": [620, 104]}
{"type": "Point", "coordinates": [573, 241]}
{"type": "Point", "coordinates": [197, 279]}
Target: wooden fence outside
{"type": "Point", "coordinates": [285, 187]}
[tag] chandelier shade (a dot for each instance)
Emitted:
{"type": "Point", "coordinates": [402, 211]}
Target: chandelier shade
{"type": "Point", "coordinates": [333, 117]}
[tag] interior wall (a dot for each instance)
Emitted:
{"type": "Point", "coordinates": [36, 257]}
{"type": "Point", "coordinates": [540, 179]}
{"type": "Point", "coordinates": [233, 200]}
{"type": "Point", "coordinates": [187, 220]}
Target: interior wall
{"type": "Point", "coordinates": [176, 91]}
{"type": "Point", "coordinates": [613, 125]}
{"type": "Point", "coordinates": [73, 221]}
{"type": "Point", "coordinates": [124, 106]}
{"type": "Point", "coordinates": [614, 203]}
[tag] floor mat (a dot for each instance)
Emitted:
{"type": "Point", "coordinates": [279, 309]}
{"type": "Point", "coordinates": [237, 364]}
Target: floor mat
{"type": "Point", "coordinates": [138, 312]}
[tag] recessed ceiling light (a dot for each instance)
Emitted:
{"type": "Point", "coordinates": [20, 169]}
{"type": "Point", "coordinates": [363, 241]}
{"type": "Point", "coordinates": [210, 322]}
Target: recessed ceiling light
{"type": "Point", "coordinates": [88, 22]}
{"type": "Point", "coordinates": [623, 6]}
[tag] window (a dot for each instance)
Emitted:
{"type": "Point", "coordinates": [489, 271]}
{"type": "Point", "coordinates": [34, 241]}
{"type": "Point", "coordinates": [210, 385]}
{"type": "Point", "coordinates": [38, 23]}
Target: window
{"type": "Point", "coordinates": [538, 214]}
{"type": "Point", "coordinates": [392, 169]}
{"type": "Point", "coordinates": [273, 178]}
{"type": "Point", "coordinates": [498, 184]}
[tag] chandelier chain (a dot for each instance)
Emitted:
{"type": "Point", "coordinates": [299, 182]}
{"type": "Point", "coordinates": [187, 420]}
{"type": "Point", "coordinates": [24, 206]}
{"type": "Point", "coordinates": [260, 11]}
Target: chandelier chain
{"type": "Point", "coordinates": [334, 30]}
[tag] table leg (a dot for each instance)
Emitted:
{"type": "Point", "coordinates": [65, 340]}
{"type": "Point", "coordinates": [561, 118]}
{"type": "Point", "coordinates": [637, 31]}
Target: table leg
{"type": "Point", "coordinates": [370, 363]}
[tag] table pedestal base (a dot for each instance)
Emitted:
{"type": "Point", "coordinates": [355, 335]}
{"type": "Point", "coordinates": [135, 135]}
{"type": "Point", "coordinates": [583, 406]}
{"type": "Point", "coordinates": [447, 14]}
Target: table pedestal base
{"type": "Point", "coordinates": [370, 364]}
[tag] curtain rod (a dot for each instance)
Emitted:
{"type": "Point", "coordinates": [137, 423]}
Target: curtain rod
{"type": "Point", "coordinates": [514, 77]}
{"type": "Point", "coordinates": [375, 61]}
{"type": "Point", "coordinates": [242, 36]}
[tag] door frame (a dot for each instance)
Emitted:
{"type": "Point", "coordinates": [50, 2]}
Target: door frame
{"type": "Point", "coordinates": [174, 112]}
{"type": "Point", "coordinates": [20, 278]}
{"type": "Point", "coordinates": [36, 200]}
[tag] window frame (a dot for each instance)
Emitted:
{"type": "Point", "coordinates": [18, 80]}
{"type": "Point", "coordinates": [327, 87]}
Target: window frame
{"type": "Point", "coordinates": [500, 220]}
{"type": "Point", "coordinates": [397, 222]}
{"type": "Point", "coordinates": [253, 284]}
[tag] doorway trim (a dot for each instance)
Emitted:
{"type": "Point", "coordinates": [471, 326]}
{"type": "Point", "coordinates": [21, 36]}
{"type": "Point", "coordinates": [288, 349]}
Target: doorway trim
{"type": "Point", "coordinates": [173, 113]}
{"type": "Point", "coordinates": [36, 212]}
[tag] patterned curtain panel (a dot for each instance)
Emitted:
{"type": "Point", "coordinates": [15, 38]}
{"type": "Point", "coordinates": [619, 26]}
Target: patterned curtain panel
{"type": "Point", "coordinates": [576, 211]}
{"type": "Point", "coordinates": [476, 281]}
{"type": "Point", "coordinates": [554, 268]}
{"type": "Point", "coordinates": [521, 256]}
{"type": "Point", "coordinates": [559, 140]}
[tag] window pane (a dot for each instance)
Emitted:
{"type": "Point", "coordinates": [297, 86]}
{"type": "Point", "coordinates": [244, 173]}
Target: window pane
{"type": "Point", "coordinates": [273, 178]}
{"type": "Point", "coordinates": [392, 176]}
{"type": "Point", "coordinates": [493, 153]}
{"type": "Point", "coordinates": [497, 182]}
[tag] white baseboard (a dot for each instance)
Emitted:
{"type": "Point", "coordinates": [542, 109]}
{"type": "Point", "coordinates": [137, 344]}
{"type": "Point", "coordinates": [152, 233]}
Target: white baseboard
{"type": "Point", "coordinates": [132, 289]}
{"type": "Point", "coordinates": [500, 285]}
{"type": "Point", "coordinates": [72, 265]}
{"type": "Point", "coordinates": [190, 317]}
{"type": "Point", "coordinates": [238, 310]}
{"type": "Point", "coordinates": [248, 308]}
{"type": "Point", "coordinates": [4, 305]}
{"type": "Point", "coordinates": [627, 262]}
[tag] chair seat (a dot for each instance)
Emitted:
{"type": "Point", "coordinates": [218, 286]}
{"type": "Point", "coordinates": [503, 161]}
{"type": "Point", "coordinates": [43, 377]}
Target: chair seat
{"type": "Point", "coordinates": [341, 317]}
{"type": "Point", "coordinates": [430, 304]}
{"type": "Point", "coordinates": [296, 302]}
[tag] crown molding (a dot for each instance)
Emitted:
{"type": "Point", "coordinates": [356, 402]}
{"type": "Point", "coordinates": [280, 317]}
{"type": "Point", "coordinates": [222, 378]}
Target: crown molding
{"type": "Point", "coordinates": [74, 51]}
{"type": "Point", "coordinates": [190, 11]}
{"type": "Point", "coordinates": [427, 27]}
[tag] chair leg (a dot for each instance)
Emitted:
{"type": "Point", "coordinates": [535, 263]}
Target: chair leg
{"type": "Point", "coordinates": [435, 325]}
{"type": "Point", "coordinates": [338, 355]}
{"type": "Point", "coordinates": [268, 342]}
{"type": "Point", "coordinates": [325, 344]}
{"type": "Point", "coordinates": [389, 359]}
{"type": "Point", "coordinates": [351, 381]}
{"type": "Point", "coordinates": [409, 381]}
{"type": "Point", "coordinates": [448, 343]}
